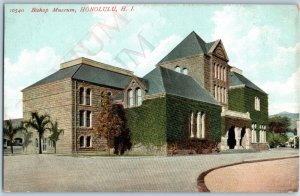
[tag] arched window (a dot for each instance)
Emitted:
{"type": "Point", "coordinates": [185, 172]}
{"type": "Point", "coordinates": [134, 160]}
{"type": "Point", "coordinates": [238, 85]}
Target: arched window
{"type": "Point", "coordinates": [216, 92]}
{"type": "Point", "coordinates": [185, 71]}
{"type": "Point", "coordinates": [177, 69]}
{"type": "Point", "coordinates": [88, 118]}
{"type": "Point", "coordinates": [36, 142]}
{"type": "Point", "coordinates": [130, 98]}
{"type": "Point", "coordinates": [215, 67]}
{"type": "Point", "coordinates": [88, 141]}
{"type": "Point", "coordinates": [199, 125]}
{"type": "Point", "coordinates": [88, 97]}
{"type": "Point", "coordinates": [81, 118]}
{"type": "Point", "coordinates": [44, 144]}
{"type": "Point", "coordinates": [81, 141]}
{"type": "Point", "coordinates": [138, 96]}
{"type": "Point", "coordinates": [192, 125]}
{"type": "Point", "coordinates": [203, 125]}
{"type": "Point", "coordinates": [221, 73]}
{"type": "Point", "coordinates": [257, 103]}
{"type": "Point", "coordinates": [81, 92]}
{"type": "Point", "coordinates": [225, 74]}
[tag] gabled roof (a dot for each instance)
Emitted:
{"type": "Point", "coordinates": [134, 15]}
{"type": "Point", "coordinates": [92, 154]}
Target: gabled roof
{"type": "Point", "coordinates": [191, 45]}
{"type": "Point", "coordinates": [87, 73]}
{"type": "Point", "coordinates": [163, 80]}
{"type": "Point", "coordinates": [238, 79]}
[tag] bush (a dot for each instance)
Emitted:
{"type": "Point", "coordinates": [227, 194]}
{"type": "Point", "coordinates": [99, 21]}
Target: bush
{"type": "Point", "coordinates": [276, 139]}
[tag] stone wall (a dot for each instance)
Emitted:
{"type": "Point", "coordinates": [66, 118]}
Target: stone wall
{"type": "Point", "coordinates": [54, 99]}
{"type": "Point", "coordinates": [194, 64]}
{"type": "Point", "coordinates": [98, 143]}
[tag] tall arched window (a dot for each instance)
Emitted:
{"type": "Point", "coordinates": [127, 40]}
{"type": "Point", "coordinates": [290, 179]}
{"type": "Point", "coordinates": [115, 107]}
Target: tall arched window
{"type": "Point", "coordinates": [81, 118]}
{"type": "Point", "coordinates": [88, 118]}
{"type": "Point", "coordinates": [81, 92]}
{"type": "Point", "coordinates": [138, 96]}
{"type": "Point", "coordinates": [185, 71]}
{"type": "Point", "coordinates": [215, 67]}
{"type": "Point", "coordinates": [225, 74]}
{"type": "Point", "coordinates": [130, 98]}
{"type": "Point", "coordinates": [221, 73]}
{"type": "Point", "coordinates": [81, 141]}
{"type": "Point", "coordinates": [216, 92]}
{"type": "Point", "coordinates": [177, 69]}
{"type": "Point", "coordinates": [199, 125]}
{"type": "Point", "coordinates": [88, 141]}
{"type": "Point", "coordinates": [88, 97]}
{"type": "Point", "coordinates": [192, 125]}
{"type": "Point", "coordinates": [203, 125]}
{"type": "Point", "coordinates": [257, 103]}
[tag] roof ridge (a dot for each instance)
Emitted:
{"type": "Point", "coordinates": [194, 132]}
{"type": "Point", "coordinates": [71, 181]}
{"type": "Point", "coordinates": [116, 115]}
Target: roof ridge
{"type": "Point", "coordinates": [162, 78]}
{"type": "Point", "coordinates": [76, 71]}
{"type": "Point", "coordinates": [200, 42]}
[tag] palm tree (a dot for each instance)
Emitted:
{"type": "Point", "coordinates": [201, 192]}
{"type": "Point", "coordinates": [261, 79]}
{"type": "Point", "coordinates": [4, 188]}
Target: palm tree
{"type": "Point", "coordinates": [27, 139]}
{"type": "Point", "coordinates": [40, 124]}
{"type": "Point", "coordinates": [55, 132]}
{"type": "Point", "coordinates": [10, 131]}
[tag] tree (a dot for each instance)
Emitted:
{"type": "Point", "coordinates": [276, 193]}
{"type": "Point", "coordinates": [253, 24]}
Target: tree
{"type": "Point", "coordinates": [10, 131]}
{"type": "Point", "coordinates": [110, 124]}
{"type": "Point", "coordinates": [27, 139]}
{"type": "Point", "coordinates": [279, 124]}
{"type": "Point", "coordinates": [39, 123]}
{"type": "Point", "coordinates": [55, 133]}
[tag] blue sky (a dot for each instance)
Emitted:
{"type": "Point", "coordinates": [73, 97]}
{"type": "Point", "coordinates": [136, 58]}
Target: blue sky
{"type": "Point", "coordinates": [262, 40]}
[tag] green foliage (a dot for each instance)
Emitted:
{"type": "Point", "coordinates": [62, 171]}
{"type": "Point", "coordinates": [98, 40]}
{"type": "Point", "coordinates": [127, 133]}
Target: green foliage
{"type": "Point", "coordinates": [275, 139]}
{"type": "Point", "coordinates": [161, 120]}
{"type": "Point", "coordinates": [39, 123]}
{"type": "Point", "coordinates": [110, 124]}
{"type": "Point", "coordinates": [242, 100]}
{"type": "Point", "coordinates": [297, 142]}
{"type": "Point", "coordinates": [147, 123]}
{"type": "Point", "coordinates": [178, 118]}
{"type": "Point", "coordinates": [279, 124]}
{"type": "Point", "coordinates": [122, 142]}
{"type": "Point", "coordinates": [10, 131]}
{"type": "Point", "coordinates": [55, 133]}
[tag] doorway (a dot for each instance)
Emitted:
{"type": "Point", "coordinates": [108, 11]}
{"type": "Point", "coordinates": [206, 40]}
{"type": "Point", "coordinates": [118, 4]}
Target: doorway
{"type": "Point", "coordinates": [231, 142]}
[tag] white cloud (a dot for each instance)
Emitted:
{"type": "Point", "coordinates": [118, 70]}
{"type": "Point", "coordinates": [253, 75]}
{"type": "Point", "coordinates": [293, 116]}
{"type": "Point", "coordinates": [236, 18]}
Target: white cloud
{"type": "Point", "coordinates": [257, 48]}
{"type": "Point", "coordinates": [147, 63]}
{"type": "Point", "coordinates": [30, 67]}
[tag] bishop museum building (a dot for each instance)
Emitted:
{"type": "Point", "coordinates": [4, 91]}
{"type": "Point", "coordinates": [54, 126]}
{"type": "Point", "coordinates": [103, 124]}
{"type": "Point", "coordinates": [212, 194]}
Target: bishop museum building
{"type": "Point", "coordinates": [192, 100]}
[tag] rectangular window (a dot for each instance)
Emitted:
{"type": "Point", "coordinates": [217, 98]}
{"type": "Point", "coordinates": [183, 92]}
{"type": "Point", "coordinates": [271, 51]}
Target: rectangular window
{"type": "Point", "coordinates": [81, 118]}
{"type": "Point", "coordinates": [88, 118]}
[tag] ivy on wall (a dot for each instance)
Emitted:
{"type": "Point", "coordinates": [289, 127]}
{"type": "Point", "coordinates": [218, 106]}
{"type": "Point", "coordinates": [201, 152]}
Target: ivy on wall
{"type": "Point", "coordinates": [178, 118]}
{"type": "Point", "coordinates": [242, 100]}
{"type": "Point", "coordinates": [147, 123]}
{"type": "Point", "coordinates": [161, 120]}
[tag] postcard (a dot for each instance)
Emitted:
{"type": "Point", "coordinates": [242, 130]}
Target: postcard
{"type": "Point", "coordinates": [151, 98]}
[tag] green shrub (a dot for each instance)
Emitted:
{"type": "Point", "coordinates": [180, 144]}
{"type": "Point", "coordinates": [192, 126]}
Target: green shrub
{"type": "Point", "coordinates": [275, 139]}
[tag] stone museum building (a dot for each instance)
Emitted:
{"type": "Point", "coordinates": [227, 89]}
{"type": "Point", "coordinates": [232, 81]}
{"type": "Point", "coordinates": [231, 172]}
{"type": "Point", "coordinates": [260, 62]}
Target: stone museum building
{"type": "Point", "coordinates": [191, 100]}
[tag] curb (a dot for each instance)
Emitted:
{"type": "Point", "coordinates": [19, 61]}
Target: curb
{"type": "Point", "coordinates": [201, 187]}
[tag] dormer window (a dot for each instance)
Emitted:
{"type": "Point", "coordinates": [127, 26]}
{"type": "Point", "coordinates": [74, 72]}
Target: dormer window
{"type": "Point", "coordinates": [185, 71]}
{"type": "Point", "coordinates": [177, 69]}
